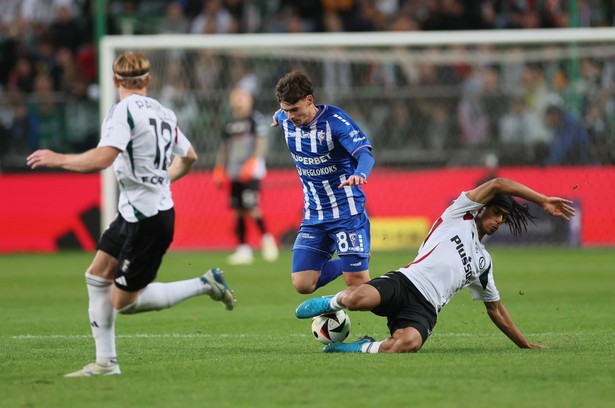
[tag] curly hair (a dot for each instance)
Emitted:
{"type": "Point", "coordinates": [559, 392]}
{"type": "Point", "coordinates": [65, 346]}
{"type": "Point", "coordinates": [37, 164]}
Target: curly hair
{"type": "Point", "coordinates": [293, 87]}
{"type": "Point", "coordinates": [518, 214]}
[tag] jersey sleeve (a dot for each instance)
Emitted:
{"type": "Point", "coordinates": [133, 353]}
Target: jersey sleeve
{"type": "Point", "coordinates": [115, 130]}
{"type": "Point", "coordinates": [483, 288]}
{"type": "Point", "coordinates": [349, 134]}
{"type": "Point", "coordinates": [461, 206]}
{"type": "Point", "coordinates": [181, 144]}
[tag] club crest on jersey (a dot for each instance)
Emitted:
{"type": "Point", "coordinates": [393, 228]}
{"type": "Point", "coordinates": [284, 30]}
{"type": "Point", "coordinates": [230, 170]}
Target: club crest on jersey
{"type": "Point", "coordinates": [321, 136]}
{"type": "Point", "coordinates": [481, 263]}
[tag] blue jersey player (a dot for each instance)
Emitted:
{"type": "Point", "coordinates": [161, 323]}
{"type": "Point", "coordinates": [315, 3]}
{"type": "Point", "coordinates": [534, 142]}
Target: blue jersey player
{"type": "Point", "coordinates": [333, 158]}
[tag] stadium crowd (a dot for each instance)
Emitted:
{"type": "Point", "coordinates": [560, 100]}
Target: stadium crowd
{"type": "Point", "coordinates": [49, 93]}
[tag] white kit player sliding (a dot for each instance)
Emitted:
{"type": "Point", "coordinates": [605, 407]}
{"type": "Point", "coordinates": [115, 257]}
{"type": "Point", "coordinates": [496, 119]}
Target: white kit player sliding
{"type": "Point", "coordinates": [140, 137]}
{"type": "Point", "coordinates": [450, 258]}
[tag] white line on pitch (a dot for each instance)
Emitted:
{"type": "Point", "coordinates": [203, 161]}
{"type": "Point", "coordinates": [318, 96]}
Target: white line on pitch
{"type": "Point", "coordinates": [223, 335]}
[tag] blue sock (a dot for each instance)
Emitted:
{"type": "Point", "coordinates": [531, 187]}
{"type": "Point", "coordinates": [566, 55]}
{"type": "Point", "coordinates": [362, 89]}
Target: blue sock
{"type": "Point", "coordinates": [330, 270]}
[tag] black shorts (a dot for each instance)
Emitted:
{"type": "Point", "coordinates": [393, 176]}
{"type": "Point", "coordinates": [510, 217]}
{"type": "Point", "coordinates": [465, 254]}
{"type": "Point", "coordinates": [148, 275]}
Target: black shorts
{"type": "Point", "coordinates": [138, 247]}
{"type": "Point", "coordinates": [403, 305]}
{"type": "Point", "coordinates": [245, 196]}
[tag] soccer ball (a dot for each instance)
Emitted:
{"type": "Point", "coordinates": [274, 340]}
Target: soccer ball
{"type": "Point", "coordinates": [331, 327]}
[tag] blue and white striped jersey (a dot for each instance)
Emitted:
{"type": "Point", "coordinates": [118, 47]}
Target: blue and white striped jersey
{"type": "Point", "coordinates": [323, 151]}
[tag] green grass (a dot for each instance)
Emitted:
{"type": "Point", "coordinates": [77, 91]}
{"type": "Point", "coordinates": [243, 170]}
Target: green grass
{"type": "Point", "coordinates": [198, 355]}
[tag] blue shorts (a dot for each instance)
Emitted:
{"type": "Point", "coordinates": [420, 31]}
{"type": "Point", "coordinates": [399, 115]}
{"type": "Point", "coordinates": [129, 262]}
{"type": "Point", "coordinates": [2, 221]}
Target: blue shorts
{"type": "Point", "coordinates": [355, 244]}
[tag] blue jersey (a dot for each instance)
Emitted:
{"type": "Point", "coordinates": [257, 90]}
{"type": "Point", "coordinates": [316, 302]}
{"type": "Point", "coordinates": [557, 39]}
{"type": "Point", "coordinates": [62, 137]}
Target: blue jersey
{"type": "Point", "coordinates": [323, 151]}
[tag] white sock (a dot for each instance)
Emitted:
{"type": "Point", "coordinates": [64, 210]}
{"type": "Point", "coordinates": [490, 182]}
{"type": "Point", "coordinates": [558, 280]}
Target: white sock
{"type": "Point", "coordinates": [102, 317]}
{"type": "Point", "coordinates": [335, 305]}
{"type": "Point", "coordinates": [158, 296]}
{"type": "Point", "coordinates": [371, 348]}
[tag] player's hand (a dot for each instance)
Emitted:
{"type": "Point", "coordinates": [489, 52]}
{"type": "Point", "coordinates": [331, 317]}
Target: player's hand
{"type": "Point", "coordinates": [353, 180]}
{"type": "Point", "coordinates": [535, 346]}
{"type": "Point", "coordinates": [44, 158]}
{"type": "Point", "coordinates": [218, 175]}
{"type": "Point", "coordinates": [248, 170]}
{"type": "Point", "coordinates": [559, 207]}
{"type": "Point", "coordinates": [274, 122]}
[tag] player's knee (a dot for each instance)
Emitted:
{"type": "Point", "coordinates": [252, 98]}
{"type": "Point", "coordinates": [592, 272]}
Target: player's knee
{"type": "Point", "coordinates": [407, 340]}
{"type": "Point", "coordinates": [409, 346]}
{"type": "Point", "coordinates": [305, 288]}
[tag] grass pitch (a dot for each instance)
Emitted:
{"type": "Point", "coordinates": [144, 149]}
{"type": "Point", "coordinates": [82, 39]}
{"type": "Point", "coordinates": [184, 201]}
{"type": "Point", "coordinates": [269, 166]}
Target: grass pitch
{"type": "Point", "coordinates": [197, 354]}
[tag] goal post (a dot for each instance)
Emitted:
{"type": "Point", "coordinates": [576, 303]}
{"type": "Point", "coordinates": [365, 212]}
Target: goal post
{"type": "Point", "coordinates": [426, 75]}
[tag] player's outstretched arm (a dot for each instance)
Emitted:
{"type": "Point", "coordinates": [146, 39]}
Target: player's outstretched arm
{"type": "Point", "coordinates": [90, 161]}
{"type": "Point", "coordinates": [556, 206]}
{"type": "Point", "coordinates": [500, 317]}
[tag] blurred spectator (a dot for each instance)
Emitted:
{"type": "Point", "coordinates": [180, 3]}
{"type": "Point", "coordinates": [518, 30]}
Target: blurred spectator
{"type": "Point", "coordinates": [246, 14]}
{"type": "Point", "coordinates": [48, 114]}
{"type": "Point", "coordinates": [16, 125]}
{"type": "Point", "coordinates": [523, 138]}
{"type": "Point", "coordinates": [399, 129]}
{"type": "Point", "coordinates": [554, 14]}
{"type": "Point", "coordinates": [175, 93]}
{"type": "Point", "coordinates": [64, 30]}
{"type": "Point", "coordinates": [214, 19]}
{"type": "Point", "coordinates": [569, 141]}
{"type": "Point", "coordinates": [69, 69]}
{"type": "Point", "coordinates": [174, 20]}
{"type": "Point", "coordinates": [44, 61]}
{"type": "Point", "coordinates": [310, 12]}
{"type": "Point", "coordinates": [81, 117]}
{"type": "Point", "coordinates": [534, 88]}
{"type": "Point", "coordinates": [21, 77]}
{"type": "Point", "coordinates": [602, 141]}
{"type": "Point", "coordinates": [41, 13]}
{"type": "Point", "coordinates": [471, 113]}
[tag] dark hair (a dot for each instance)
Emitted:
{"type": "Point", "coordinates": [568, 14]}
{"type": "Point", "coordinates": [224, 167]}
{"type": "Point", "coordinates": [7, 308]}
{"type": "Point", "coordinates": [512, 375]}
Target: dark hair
{"type": "Point", "coordinates": [293, 87]}
{"type": "Point", "coordinates": [518, 214]}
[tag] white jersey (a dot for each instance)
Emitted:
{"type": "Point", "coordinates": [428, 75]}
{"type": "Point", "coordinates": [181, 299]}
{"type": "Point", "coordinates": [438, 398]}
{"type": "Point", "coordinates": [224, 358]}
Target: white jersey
{"type": "Point", "coordinates": [452, 257]}
{"type": "Point", "coordinates": [148, 136]}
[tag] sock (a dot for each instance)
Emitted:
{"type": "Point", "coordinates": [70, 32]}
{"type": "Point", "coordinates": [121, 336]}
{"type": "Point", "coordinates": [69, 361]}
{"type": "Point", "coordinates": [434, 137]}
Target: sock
{"type": "Point", "coordinates": [371, 348]}
{"type": "Point", "coordinates": [240, 229]}
{"type": "Point", "coordinates": [329, 271]}
{"type": "Point", "coordinates": [158, 296]}
{"type": "Point", "coordinates": [102, 318]}
{"type": "Point", "coordinates": [335, 305]}
{"type": "Point", "coordinates": [260, 224]}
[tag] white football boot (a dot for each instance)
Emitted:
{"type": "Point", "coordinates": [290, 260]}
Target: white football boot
{"type": "Point", "coordinates": [242, 256]}
{"type": "Point", "coordinates": [94, 369]}
{"type": "Point", "coordinates": [269, 248]}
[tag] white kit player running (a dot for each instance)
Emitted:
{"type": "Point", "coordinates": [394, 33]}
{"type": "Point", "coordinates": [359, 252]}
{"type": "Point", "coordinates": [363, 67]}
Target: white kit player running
{"type": "Point", "coordinates": [450, 258]}
{"type": "Point", "coordinates": [333, 158]}
{"type": "Point", "coordinates": [140, 137]}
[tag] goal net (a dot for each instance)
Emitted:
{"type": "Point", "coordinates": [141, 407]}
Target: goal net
{"type": "Point", "coordinates": [470, 101]}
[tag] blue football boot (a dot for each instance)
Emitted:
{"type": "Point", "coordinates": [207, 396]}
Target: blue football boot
{"type": "Point", "coordinates": [314, 307]}
{"type": "Point", "coordinates": [354, 347]}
